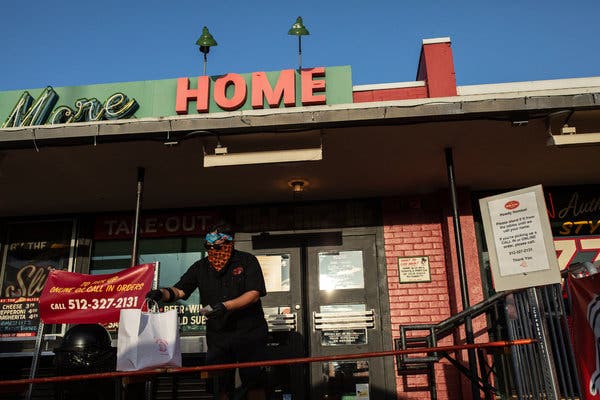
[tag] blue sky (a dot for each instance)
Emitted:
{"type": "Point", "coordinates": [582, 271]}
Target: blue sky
{"type": "Point", "coordinates": [70, 43]}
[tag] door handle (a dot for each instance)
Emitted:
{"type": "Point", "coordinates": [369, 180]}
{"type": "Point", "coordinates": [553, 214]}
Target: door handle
{"type": "Point", "coordinates": [297, 307]}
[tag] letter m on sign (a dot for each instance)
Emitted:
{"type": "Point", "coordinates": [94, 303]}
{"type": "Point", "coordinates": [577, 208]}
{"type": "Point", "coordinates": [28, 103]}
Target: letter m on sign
{"type": "Point", "coordinates": [284, 88]}
{"type": "Point", "coordinates": [26, 114]}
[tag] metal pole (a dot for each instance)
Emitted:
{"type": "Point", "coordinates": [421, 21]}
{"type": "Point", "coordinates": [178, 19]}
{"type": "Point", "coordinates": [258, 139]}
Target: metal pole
{"type": "Point", "coordinates": [299, 52]}
{"type": "Point", "coordinates": [464, 293]}
{"type": "Point", "coordinates": [36, 357]}
{"type": "Point", "coordinates": [138, 206]}
{"type": "Point", "coordinates": [18, 383]}
{"type": "Point", "coordinates": [546, 360]}
{"type": "Point", "coordinates": [148, 385]}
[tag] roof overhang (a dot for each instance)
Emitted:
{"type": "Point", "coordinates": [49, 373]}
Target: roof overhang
{"type": "Point", "coordinates": [391, 148]}
{"type": "Point", "coordinates": [534, 104]}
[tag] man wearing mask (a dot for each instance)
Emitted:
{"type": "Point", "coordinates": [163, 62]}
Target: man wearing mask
{"type": "Point", "coordinates": [231, 284]}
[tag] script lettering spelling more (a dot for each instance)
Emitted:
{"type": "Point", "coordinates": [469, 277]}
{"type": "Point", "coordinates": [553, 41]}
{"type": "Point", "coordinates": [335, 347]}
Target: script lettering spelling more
{"type": "Point", "coordinates": [28, 112]}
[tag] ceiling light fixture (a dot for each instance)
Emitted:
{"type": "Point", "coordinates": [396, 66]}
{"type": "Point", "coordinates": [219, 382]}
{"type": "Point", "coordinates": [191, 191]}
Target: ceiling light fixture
{"type": "Point", "coordinates": [298, 185]}
{"type": "Point", "coordinates": [262, 157]}
{"type": "Point", "coordinates": [570, 137]}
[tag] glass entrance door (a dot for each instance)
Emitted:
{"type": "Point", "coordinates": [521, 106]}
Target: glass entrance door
{"type": "Point", "coordinates": [323, 299]}
{"type": "Point", "coordinates": [283, 307]}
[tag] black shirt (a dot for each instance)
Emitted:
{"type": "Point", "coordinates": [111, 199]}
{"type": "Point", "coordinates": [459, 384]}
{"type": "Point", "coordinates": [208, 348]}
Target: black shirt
{"type": "Point", "coordinates": [241, 274]}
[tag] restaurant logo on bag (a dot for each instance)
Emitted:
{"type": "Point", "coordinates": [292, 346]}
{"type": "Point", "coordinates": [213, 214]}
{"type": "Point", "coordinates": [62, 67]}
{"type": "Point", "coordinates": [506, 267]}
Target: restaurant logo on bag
{"type": "Point", "coordinates": [162, 345]}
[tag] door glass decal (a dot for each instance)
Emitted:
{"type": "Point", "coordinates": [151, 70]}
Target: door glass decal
{"type": "Point", "coordinates": [341, 270]}
{"type": "Point", "coordinates": [347, 333]}
{"type": "Point", "coordinates": [276, 270]}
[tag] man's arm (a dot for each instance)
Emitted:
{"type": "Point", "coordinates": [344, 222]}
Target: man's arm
{"type": "Point", "coordinates": [167, 295]}
{"type": "Point", "coordinates": [171, 294]}
{"type": "Point", "coordinates": [242, 301]}
{"type": "Point", "coordinates": [238, 303]}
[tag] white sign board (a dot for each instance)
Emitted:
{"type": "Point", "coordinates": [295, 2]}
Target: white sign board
{"type": "Point", "coordinates": [519, 239]}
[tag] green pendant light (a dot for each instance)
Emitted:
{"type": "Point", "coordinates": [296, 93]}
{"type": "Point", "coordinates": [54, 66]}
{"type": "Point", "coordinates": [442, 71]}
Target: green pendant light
{"type": "Point", "coordinates": [206, 41]}
{"type": "Point", "coordinates": [298, 29]}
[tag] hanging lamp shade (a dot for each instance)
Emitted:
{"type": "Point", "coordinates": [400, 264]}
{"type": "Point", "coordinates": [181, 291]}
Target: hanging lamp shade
{"type": "Point", "coordinates": [298, 29]}
{"type": "Point", "coordinates": [206, 41]}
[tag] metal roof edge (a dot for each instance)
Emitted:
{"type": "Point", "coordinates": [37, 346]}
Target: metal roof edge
{"type": "Point", "coordinates": [383, 86]}
{"type": "Point", "coordinates": [529, 86]}
{"type": "Point", "coordinates": [436, 40]}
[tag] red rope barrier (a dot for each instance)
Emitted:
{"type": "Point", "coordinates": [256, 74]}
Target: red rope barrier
{"type": "Point", "coordinates": [288, 361]}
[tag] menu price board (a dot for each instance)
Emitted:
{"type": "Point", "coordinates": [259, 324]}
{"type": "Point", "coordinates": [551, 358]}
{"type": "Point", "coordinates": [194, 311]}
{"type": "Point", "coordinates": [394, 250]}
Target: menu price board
{"type": "Point", "coordinates": [19, 317]}
{"type": "Point", "coordinates": [31, 250]}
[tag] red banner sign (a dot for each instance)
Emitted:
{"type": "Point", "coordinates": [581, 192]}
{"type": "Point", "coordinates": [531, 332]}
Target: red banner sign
{"type": "Point", "coordinates": [72, 298]}
{"type": "Point", "coordinates": [585, 296]}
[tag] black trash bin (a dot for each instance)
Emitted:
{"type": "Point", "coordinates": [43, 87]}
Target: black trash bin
{"type": "Point", "coordinates": [86, 349]}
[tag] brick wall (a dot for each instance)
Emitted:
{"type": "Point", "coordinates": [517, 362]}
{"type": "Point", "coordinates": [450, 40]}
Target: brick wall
{"type": "Point", "coordinates": [423, 227]}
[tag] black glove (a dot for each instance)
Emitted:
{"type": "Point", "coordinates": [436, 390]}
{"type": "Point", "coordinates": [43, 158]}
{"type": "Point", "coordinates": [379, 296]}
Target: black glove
{"type": "Point", "coordinates": [217, 310]}
{"type": "Point", "coordinates": [155, 295]}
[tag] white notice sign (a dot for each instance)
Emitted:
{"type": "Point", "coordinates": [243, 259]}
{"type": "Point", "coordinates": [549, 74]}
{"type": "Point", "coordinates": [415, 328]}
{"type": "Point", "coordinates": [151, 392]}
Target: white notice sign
{"type": "Point", "coordinates": [519, 239]}
{"type": "Point", "coordinates": [518, 235]}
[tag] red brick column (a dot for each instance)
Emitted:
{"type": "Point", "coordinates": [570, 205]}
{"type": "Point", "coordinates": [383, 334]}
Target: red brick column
{"type": "Point", "coordinates": [472, 270]}
{"type": "Point", "coordinates": [418, 227]}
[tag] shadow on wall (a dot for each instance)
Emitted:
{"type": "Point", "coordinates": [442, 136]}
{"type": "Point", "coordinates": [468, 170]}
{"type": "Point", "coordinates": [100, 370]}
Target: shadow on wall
{"type": "Point", "coordinates": [415, 382]}
{"type": "Point", "coordinates": [448, 383]}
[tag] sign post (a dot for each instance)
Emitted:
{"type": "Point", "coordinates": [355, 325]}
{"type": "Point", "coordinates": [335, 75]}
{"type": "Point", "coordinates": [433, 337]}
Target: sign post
{"type": "Point", "coordinates": [36, 358]}
{"type": "Point", "coordinates": [522, 255]}
{"type": "Point", "coordinates": [70, 297]}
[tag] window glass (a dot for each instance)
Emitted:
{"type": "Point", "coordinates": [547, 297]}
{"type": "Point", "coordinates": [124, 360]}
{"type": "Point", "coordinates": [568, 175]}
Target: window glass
{"type": "Point", "coordinates": [31, 250]}
{"type": "Point", "coordinates": [346, 380]}
{"type": "Point", "coordinates": [276, 310]}
{"type": "Point", "coordinates": [175, 256]}
{"type": "Point", "coordinates": [341, 270]}
{"type": "Point", "coordinates": [110, 256]}
{"type": "Point", "coordinates": [340, 309]}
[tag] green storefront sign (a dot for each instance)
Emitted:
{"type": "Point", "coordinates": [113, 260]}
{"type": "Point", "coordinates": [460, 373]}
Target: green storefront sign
{"type": "Point", "coordinates": [170, 97]}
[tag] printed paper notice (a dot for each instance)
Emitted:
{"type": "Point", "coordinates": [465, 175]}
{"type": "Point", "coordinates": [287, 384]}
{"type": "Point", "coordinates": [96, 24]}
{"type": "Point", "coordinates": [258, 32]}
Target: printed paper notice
{"type": "Point", "coordinates": [518, 235]}
{"type": "Point", "coordinates": [414, 269]}
{"type": "Point", "coordinates": [362, 391]}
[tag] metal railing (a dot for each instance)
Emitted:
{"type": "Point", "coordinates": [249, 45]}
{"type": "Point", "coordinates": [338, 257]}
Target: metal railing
{"type": "Point", "coordinates": [19, 385]}
{"type": "Point", "coordinates": [542, 370]}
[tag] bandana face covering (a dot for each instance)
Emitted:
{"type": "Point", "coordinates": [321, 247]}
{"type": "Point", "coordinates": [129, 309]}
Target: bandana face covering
{"type": "Point", "coordinates": [219, 257]}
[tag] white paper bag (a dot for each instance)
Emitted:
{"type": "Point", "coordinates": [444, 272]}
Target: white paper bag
{"type": "Point", "coordinates": [148, 340]}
